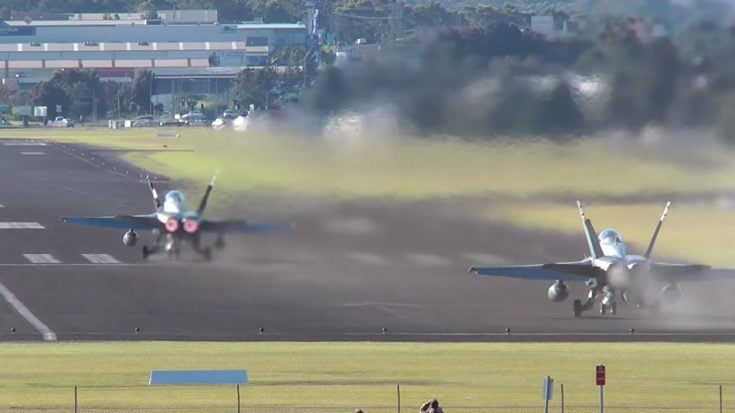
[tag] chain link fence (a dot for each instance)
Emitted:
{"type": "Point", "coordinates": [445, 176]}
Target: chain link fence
{"type": "Point", "coordinates": [185, 399]}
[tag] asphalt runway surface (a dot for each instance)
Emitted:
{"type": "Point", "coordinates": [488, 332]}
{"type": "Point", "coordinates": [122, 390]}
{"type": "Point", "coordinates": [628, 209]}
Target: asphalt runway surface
{"type": "Point", "coordinates": [369, 270]}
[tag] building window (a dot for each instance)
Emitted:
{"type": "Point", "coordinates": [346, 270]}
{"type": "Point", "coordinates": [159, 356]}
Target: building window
{"type": "Point", "coordinates": [256, 41]}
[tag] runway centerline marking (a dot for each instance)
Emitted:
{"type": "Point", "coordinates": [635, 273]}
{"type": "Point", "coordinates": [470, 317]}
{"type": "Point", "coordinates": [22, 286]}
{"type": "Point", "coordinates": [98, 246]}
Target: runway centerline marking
{"type": "Point", "coordinates": [101, 258]}
{"type": "Point", "coordinates": [24, 312]}
{"type": "Point", "coordinates": [21, 225]}
{"type": "Point", "coordinates": [32, 153]}
{"type": "Point", "coordinates": [41, 258]}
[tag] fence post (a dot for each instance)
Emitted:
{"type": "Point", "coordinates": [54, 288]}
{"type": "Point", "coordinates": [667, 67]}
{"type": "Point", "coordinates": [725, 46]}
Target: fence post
{"type": "Point", "coordinates": [720, 398]}
{"type": "Point", "coordinates": [76, 400]}
{"type": "Point", "coordinates": [237, 386]}
{"type": "Point", "coordinates": [561, 389]}
{"type": "Point", "coordinates": [398, 392]}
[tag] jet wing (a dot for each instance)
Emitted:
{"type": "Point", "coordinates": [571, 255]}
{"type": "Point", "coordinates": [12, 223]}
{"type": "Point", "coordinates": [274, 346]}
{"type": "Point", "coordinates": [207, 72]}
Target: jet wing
{"type": "Point", "coordinates": [565, 271]}
{"type": "Point", "coordinates": [118, 221]}
{"type": "Point", "coordinates": [689, 272]}
{"type": "Point", "coordinates": [242, 226]}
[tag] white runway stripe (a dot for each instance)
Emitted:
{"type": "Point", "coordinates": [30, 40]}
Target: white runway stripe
{"type": "Point", "coordinates": [32, 153]}
{"type": "Point", "coordinates": [367, 258]}
{"type": "Point", "coordinates": [483, 258]}
{"type": "Point", "coordinates": [46, 332]}
{"type": "Point", "coordinates": [24, 144]}
{"type": "Point", "coordinates": [41, 258]}
{"type": "Point", "coordinates": [101, 258]}
{"type": "Point", "coordinates": [428, 260]}
{"type": "Point", "coordinates": [2, 206]}
{"type": "Point", "coordinates": [20, 225]}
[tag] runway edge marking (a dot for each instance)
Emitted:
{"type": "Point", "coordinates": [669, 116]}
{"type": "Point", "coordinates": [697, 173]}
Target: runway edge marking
{"type": "Point", "coordinates": [42, 328]}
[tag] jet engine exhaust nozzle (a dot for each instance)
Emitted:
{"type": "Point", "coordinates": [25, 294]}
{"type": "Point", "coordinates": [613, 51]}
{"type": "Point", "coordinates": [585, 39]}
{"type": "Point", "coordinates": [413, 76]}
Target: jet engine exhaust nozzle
{"type": "Point", "coordinates": [191, 226]}
{"type": "Point", "coordinates": [172, 225]}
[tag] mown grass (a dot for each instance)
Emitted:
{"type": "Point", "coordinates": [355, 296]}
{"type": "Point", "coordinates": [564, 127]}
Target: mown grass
{"type": "Point", "coordinates": [412, 168]}
{"type": "Point", "coordinates": [351, 375]}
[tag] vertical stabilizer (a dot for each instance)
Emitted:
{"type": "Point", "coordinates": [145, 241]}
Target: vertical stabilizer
{"type": "Point", "coordinates": [205, 198]}
{"type": "Point", "coordinates": [154, 194]}
{"type": "Point", "coordinates": [649, 250]}
{"type": "Point", "coordinates": [589, 232]}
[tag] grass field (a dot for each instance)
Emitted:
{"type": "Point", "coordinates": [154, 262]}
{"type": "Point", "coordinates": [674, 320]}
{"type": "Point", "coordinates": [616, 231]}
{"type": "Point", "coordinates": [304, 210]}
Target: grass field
{"type": "Point", "coordinates": [286, 376]}
{"type": "Point", "coordinates": [412, 168]}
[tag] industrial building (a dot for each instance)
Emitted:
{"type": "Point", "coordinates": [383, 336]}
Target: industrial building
{"type": "Point", "coordinates": [187, 50]}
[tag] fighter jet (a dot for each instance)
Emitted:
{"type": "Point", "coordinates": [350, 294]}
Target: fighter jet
{"type": "Point", "coordinates": [172, 225]}
{"type": "Point", "coordinates": [609, 270]}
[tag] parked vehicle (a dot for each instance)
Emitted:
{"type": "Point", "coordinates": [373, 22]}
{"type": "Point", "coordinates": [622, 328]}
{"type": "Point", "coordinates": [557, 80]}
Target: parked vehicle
{"type": "Point", "coordinates": [195, 119]}
{"type": "Point", "coordinates": [61, 122]}
{"type": "Point", "coordinates": [144, 121]}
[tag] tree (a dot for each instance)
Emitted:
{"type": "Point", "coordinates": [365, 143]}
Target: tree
{"type": "Point", "coordinates": [142, 91]}
{"type": "Point", "coordinates": [49, 95]}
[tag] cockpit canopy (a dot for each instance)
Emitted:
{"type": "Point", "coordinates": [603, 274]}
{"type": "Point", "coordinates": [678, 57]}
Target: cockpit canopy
{"type": "Point", "coordinates": [610, 236]}
{"type": "Point", "coordinates": [173, 202]}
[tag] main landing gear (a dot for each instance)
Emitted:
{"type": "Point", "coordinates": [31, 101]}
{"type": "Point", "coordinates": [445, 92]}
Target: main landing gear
{"type": "Point", "coordinates": [607, 305]}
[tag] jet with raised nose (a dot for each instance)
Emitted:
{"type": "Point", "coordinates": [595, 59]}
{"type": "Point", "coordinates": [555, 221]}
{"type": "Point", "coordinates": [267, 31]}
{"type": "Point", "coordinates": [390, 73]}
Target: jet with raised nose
{"type": "Point", "coordinates": [173, 224]}
{"type": "Point", "coordinates": [609, 271]}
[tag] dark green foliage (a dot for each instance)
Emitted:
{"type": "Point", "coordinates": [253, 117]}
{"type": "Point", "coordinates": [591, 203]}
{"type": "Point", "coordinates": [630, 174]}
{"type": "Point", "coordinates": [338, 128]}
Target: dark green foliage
{"type": "Point", "coordinates": [77, 91]}
{"type": "Point", "coordinates": [263, 88]}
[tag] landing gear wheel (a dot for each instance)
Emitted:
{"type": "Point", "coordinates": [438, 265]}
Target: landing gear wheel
{"type": "Point", "coordinates": [577, 308]}
{"type": "Point", "coordinates": [146, 252]}
{"type": "Point", "coordinates": [613, 308]}
{"type": "Point", "coordinates": [603, 308]}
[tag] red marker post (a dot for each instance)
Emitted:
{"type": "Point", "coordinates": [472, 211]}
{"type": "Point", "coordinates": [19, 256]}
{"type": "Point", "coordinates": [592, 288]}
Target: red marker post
{"type": "Point", "coordinates": [600, 381]}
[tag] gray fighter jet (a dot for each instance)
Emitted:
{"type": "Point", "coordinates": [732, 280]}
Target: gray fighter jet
{"type": "Point", "coordinates": [609, 270]}
{"type": "Point", "coordinates": [172, 224]}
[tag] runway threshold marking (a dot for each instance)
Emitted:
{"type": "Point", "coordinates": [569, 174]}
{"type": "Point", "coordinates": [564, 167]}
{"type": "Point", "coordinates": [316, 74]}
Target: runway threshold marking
{"type": "Point", "coordinates": [42, 328]}
{"type": "Point", "coordinates": [21, 225]}
{"type": "Point", "coordinates": [101, 258]}
{"type": "Point", "coordinates": [41, 258]}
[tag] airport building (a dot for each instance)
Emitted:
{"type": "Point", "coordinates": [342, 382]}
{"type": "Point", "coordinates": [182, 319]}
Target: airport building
{"type": "Point", "coordinates": [187, 50]}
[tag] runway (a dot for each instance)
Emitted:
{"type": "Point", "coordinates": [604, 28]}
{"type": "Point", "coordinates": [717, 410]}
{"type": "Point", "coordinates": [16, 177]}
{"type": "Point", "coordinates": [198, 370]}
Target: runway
{"type": "Point", "coordinates": [350, 270]}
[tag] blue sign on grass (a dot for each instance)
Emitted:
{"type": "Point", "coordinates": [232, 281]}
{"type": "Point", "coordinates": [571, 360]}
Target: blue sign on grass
{"type": "Point", "coordinates": [198, 377]}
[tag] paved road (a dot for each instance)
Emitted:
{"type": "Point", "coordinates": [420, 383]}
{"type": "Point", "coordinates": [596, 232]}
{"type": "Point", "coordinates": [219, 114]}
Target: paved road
{"type": "Point", "coordinates": [349, 271]}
